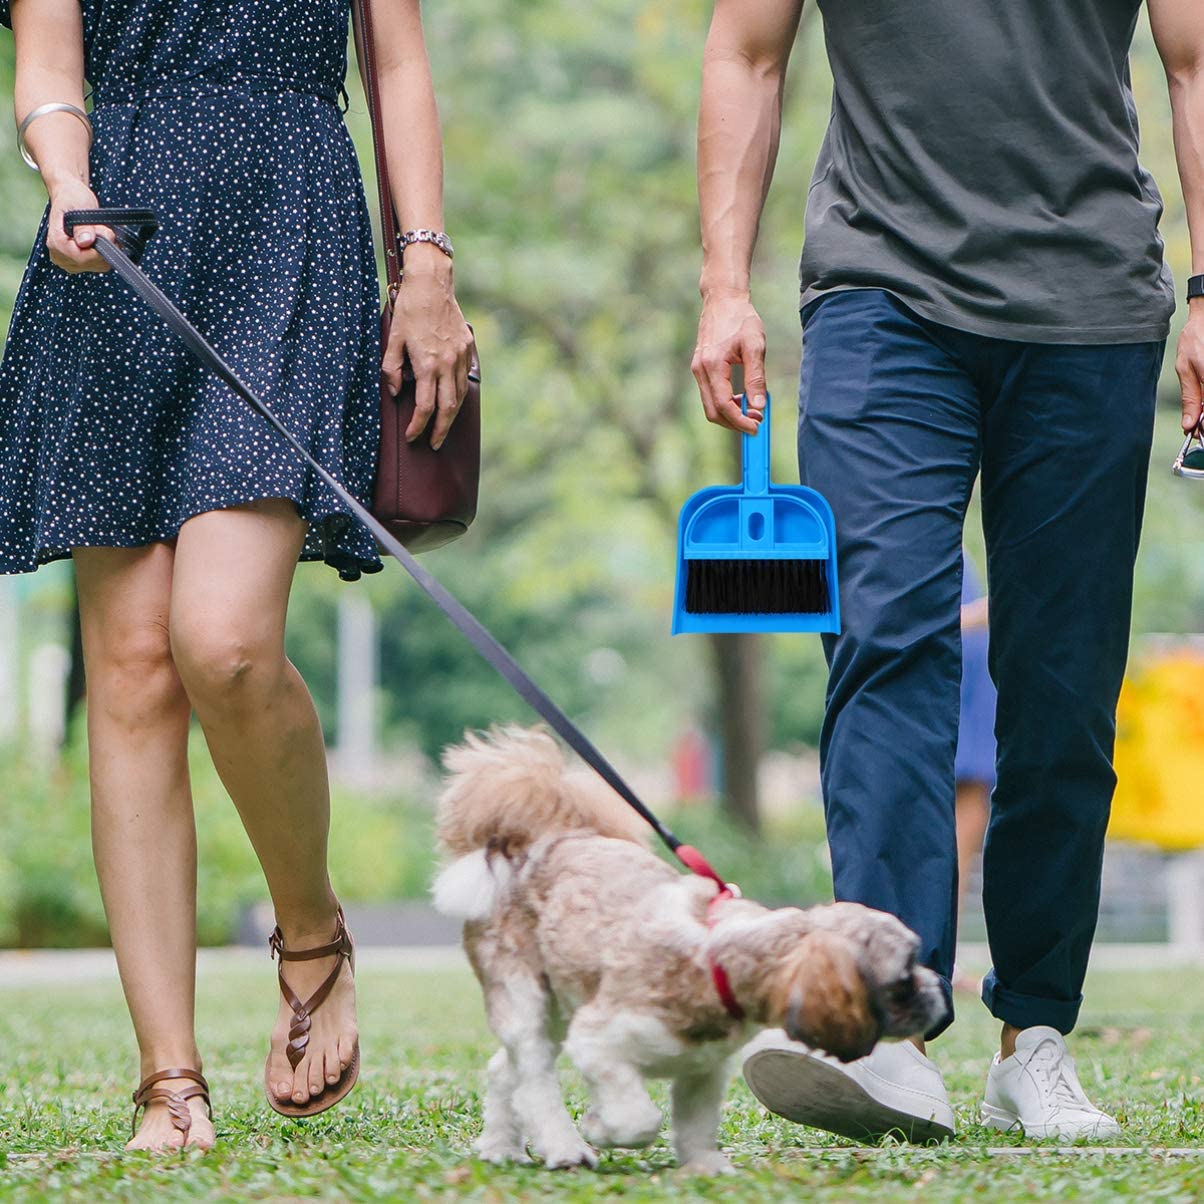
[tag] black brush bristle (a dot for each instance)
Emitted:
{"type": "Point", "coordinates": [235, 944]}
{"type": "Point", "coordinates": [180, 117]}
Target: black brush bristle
{"type": "Point", "coordinates": [757, 587]}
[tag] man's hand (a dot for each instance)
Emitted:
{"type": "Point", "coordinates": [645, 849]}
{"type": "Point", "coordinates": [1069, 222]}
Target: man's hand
{"type": "Point", "coordinates": [1189, 364]}
{"type": "Point", "coordinates": [730, 332]}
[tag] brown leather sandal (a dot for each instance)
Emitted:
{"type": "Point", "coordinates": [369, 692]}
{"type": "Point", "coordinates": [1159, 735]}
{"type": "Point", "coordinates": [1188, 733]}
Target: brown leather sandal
{"type": "Point", "coordinates": [298, 1035]}
{"type": "Point", "coordinates": [177, 1101]}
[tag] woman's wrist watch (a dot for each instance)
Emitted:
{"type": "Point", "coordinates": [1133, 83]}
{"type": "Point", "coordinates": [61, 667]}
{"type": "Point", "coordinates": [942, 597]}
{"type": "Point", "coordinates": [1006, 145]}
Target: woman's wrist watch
{"type": "Point", "coordinates": [434, 237]}
{"type": "Point", "coordinates": [1195, 287]}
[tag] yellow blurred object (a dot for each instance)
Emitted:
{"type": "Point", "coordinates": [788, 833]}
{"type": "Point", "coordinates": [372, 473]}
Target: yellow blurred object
{"type": "Point", "coordinates": [1160, 753]}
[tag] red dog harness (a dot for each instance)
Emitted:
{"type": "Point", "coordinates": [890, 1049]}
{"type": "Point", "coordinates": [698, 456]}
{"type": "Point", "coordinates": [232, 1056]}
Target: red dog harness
{"type": "Point", "coordinates": [693, 860]}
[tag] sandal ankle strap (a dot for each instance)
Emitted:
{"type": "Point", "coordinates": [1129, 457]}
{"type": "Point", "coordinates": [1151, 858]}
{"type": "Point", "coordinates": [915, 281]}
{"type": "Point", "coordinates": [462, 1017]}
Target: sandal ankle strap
{"type": "Point", "coordinates": [162, 1075]}
{"type": "Point", "coordinates": [341, 944]}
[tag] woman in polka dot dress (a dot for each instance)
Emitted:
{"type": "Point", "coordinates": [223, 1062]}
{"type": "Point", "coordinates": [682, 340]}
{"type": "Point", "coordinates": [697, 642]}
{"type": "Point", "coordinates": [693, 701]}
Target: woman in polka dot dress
{"type": "Point", "coordinates": [184, 515]}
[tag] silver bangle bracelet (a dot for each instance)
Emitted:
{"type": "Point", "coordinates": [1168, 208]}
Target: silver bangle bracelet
{"type": "Point", "coordinates": [55, 106]}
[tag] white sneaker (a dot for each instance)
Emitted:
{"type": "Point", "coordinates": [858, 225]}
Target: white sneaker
{"type": "Point", "coordinates": [894, 1090]}
{"type": "Point", "coordinates": [1038, 1090]}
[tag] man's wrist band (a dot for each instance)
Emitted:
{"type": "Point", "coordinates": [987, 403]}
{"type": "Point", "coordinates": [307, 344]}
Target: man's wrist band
{"type": "Point", "coordinates": [1195, 287]}
{"type": "Point", "coordinates": [55, 106]}
{"type": "Point", "coordinates": [435, 237]}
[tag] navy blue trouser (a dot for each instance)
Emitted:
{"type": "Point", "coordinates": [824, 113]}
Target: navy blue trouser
{"type": "Point", "coordinates": [898, 415]}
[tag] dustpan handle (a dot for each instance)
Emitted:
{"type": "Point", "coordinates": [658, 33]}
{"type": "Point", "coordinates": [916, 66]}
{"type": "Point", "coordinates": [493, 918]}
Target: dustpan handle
{"type": "Point", "coordinates": [756, 452]}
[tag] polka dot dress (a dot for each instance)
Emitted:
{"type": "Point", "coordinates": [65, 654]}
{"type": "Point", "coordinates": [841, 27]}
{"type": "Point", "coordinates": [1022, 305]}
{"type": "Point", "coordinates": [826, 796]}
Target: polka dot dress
{"type": "Point", "coordinates": [223, 116]}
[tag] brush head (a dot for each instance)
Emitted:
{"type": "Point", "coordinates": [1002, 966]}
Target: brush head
{"type": "Point", "coordinates": [757, 587]}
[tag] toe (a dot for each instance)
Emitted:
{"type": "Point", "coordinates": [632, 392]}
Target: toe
{"type": "Point", "coordinates": [317, 1079]}
{"type": "Point", "coordinates": [280, 1073]}
{"type": "Point", "coordinates": [334, 1068]}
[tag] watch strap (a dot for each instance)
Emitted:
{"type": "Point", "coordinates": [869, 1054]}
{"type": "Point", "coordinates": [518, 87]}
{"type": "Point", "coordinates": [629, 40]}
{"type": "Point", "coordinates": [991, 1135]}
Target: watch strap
{"type": "Point", "coordinates": [1195, 287]}
{"type": "Point", "coordinates": [436, 238]}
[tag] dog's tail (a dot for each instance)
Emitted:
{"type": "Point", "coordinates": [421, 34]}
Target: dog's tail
{"type": "Point", "coordinates": [504, 791]}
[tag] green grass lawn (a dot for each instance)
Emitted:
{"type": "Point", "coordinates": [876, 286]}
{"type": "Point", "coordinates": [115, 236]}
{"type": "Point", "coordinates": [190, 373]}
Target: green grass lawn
{"type": "Point", "coordinates": [406, 1132]}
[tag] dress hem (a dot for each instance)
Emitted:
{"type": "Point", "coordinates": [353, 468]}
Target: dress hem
{"type": "Point", "coordinates": [328, 525]}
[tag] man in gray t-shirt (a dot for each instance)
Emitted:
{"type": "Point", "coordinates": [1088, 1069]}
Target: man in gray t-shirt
{"type": "Point", "coordinates": [983, 294]}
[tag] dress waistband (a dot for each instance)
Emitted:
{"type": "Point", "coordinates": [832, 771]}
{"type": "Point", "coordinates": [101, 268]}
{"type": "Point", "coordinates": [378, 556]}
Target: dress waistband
{"type": "Point", "coordinates": [176, 87]}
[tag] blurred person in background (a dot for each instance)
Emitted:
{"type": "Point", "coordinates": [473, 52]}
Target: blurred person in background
{"type": "Point", "coordinates": [974, 762]}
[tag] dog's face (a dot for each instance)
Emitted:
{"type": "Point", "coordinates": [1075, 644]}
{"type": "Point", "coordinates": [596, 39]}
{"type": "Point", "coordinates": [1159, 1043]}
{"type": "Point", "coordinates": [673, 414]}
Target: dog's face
{"type": "Point", "coordinates": [850, 984]}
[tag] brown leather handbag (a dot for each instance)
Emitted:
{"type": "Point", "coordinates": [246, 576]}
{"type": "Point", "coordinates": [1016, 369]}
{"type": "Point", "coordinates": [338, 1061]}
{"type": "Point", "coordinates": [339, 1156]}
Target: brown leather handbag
{"type": "Point", "coordinates": [426, 498]}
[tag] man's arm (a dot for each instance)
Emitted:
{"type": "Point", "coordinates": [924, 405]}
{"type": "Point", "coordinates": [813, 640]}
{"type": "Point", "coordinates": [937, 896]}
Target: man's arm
{"type": "Point", "coordinates": [1179, 33]}
{"type": "Point", "coordinates": [739, 121]}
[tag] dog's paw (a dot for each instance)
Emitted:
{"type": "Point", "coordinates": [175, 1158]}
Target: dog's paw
{"type": "Point", "coordinates": [561, 1155]}
{"type": "Point", "coordinates": [628, 1131]}
{"type": "Point", "coordinates": [501, 1151]}
{"type": "Point", "coordinates": [713, 1162]}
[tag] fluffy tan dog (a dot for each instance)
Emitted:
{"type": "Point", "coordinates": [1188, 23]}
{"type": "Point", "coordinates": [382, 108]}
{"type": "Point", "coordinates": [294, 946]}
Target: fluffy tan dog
{"type": "Point", "coordinates": [583, 938]}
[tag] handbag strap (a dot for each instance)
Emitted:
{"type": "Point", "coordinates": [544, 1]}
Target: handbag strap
{"type": "Point", "coordinates": [365, 40]}
{"type": "Point", "coordinates": [133, 240]}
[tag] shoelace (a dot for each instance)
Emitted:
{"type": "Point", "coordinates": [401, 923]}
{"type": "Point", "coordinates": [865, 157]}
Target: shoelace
{"type": "Point", "coordinates": [1050, 1065]}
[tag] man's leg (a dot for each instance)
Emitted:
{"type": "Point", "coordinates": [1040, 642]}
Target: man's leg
{"type": "Point", "coordinates": [1066, 452]}
{"type": "Point", "coordinates": [889, 433]}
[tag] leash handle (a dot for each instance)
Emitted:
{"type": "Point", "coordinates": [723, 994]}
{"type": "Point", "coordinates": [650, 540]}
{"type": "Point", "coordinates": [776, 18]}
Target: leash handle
{"type": "Point", "coordinates": [133, 228]}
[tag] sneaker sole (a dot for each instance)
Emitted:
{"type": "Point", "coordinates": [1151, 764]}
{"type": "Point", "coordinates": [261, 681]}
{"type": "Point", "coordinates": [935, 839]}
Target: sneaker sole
{"type": "Point", "coordinates": [811, 1092]}
{"type": "Point", "coordinates": [998, 1118]}
{"type": "Point", "coordinates": [1009, 1122]}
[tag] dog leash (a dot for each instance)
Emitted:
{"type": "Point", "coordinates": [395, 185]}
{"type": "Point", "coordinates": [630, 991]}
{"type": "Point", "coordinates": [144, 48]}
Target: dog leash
{"type": "Point", "coordinates": [132, 230]}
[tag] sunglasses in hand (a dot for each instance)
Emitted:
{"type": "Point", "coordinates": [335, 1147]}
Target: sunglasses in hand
{"type": "Point", "coordinates": [1190, 460]}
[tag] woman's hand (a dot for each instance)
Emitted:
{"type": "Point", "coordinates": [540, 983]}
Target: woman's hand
{"type": "Point", "coordinates": [74, 253]}
{"type": "Point", "coordinates": [429, 330]}
{"type": "Point", "coordinates": [730, 332]}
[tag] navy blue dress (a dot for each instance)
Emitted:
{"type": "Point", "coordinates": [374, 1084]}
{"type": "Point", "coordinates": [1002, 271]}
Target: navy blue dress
{"type": "Point", "coordinates": [223, 116]}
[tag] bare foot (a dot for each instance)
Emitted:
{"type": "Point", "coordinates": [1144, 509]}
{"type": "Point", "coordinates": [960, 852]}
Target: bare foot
{"type": "Point", "coordinates": [157, 1133]}
{"type": "Point", "coordinates": [332, 1032]}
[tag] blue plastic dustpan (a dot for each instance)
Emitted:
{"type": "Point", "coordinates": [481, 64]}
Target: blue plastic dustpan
{"type": "Point", "coordinates": [757, 523]}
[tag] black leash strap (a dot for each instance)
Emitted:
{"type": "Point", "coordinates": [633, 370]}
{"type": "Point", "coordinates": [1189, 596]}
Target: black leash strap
{"type": "Point", "coordinates": [132, 229]}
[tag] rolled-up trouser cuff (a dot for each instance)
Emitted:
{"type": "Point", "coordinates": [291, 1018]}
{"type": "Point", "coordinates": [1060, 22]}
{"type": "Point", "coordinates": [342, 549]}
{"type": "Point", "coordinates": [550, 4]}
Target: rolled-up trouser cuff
{"type": "Point", "coordinates": [1028, 1011]}
{"type": "Point", "coordinates": [947, 1019]}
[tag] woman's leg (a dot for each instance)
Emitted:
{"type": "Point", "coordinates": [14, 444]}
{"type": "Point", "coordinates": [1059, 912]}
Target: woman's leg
{"type": "Point", "coordinates": [143, 834]}
{"type": "Point", "coordinates": [972, 805]}
{"type": "Point", "coordinates": [233, 571]}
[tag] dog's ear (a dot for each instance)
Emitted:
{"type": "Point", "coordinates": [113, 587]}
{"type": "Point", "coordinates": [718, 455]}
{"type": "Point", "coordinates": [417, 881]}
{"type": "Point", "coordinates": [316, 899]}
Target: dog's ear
{"type": "Point", "coordinates": [822, 999]}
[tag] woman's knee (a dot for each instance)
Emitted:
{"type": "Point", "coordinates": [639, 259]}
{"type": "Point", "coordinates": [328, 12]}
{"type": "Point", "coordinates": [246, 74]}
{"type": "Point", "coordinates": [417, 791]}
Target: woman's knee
{"type": "Point", "coordinates": [223, 668]}
{"type": "Point", "coordinates": [131, 675]}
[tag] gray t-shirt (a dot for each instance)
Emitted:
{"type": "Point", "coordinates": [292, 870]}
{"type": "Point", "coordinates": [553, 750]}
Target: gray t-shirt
{"type": "Point", "coordinates": [981, 164]}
